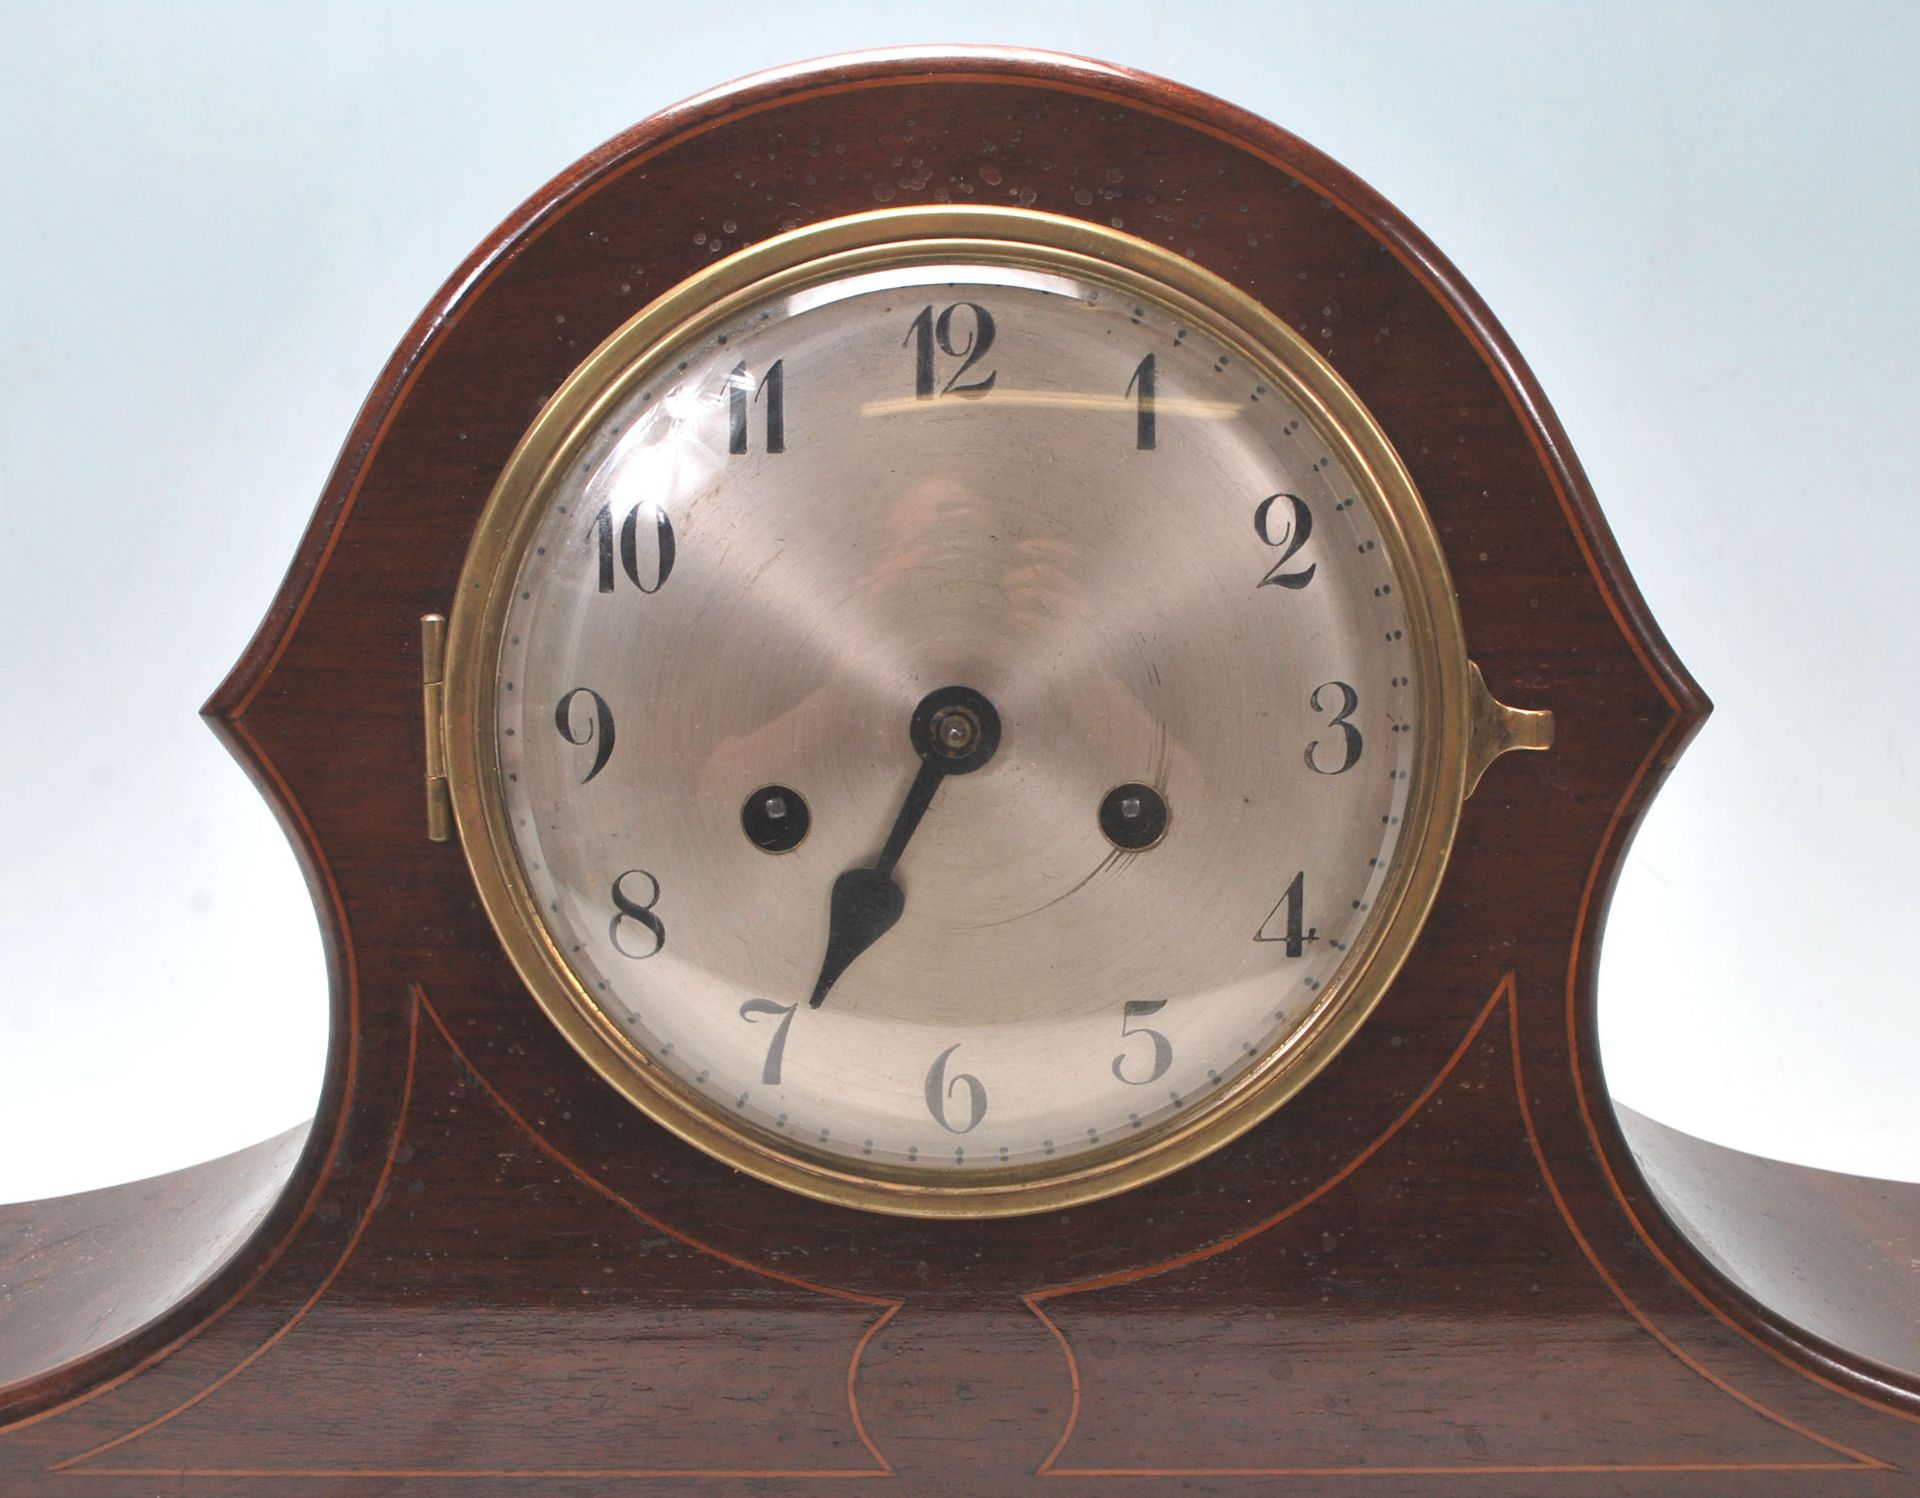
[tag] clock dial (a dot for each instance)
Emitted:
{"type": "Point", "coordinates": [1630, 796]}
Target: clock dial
{"type": "Point", "coordinates": [960, 719]}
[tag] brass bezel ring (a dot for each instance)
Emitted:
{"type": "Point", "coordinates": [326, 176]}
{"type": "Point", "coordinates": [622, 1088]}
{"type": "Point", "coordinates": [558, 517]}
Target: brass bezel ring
{"type": "Point", "coordinates": [1007, 237]}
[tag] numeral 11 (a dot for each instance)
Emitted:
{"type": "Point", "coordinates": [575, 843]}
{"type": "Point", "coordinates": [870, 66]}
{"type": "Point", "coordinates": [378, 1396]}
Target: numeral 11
{"type": "Point", "coordinates": [774, 387]}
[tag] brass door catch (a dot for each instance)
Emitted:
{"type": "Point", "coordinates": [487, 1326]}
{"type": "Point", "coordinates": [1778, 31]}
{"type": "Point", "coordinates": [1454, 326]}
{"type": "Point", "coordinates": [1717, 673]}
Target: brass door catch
{"type": "Point", "coordinates": [1498, 729]}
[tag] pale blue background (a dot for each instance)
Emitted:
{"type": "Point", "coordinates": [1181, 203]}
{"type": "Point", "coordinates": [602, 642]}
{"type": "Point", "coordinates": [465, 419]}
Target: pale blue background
{"type": "Point", "coordinates": [1697, 221]}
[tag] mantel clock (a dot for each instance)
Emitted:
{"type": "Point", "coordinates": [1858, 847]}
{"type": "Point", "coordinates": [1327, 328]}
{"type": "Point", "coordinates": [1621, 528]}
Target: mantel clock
{"type": "Point", "coordinates": [958, 618]}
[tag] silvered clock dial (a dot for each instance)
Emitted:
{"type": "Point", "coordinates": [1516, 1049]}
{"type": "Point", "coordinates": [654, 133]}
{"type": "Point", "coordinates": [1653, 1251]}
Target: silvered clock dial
{"type": "Point", "coordinates": [959, 711]}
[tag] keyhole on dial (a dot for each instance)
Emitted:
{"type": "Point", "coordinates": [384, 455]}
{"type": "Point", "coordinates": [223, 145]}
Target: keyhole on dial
{"type": "Point", "coordinates": [1133, 816]}
{"type": "Point", "coordinates": [775, 818]}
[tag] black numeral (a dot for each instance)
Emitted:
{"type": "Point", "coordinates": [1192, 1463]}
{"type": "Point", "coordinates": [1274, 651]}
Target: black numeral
{"type": "Point", "coordinates": [1294, 932]}
{"type": "Point", "coordinates": [741, 389]}
{"type": "Point", "coordinates": [941, 1088]}
{"type": "Point", "coordinates": [626, 908]}
{"type": "Point", "coordinates": [1350, 736]}
{"type": "Point", "coordinates": [629, 548]}
{"type": "Point", "coordinates": [1162, 1047]}
{"type": "Point", "coordinates": [1141, 388]}
{"type": "Point", "coordinates": [1299, 528]}
{"type": "Point", "coordinates": [598, 731]}
{"type": "Point", "coordinates": [929, 332]}
{"type": "Point", "coordinates": [770, 1072]}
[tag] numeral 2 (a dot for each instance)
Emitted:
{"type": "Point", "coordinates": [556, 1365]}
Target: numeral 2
{"type": "Point", "coordinates": [1299, 528]}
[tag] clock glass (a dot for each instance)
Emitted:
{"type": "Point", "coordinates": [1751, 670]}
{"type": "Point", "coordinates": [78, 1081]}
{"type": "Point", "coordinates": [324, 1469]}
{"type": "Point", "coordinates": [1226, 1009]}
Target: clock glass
{"type": "Point", "coordinates": [957, 712]}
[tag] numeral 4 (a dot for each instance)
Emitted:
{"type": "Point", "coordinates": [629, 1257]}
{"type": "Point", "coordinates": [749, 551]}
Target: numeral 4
{"type": "Point", "coordinates": [1293, 929]}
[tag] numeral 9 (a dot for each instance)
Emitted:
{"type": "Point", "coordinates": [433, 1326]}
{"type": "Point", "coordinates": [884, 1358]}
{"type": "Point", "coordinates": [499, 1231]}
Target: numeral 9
{"type": "Point", "coordinates": [598, 732]}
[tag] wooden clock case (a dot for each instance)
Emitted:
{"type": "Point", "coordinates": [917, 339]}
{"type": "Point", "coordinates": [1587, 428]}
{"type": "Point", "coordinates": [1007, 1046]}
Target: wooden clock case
{"type": "Point", "coordinates": [1437, 1270]}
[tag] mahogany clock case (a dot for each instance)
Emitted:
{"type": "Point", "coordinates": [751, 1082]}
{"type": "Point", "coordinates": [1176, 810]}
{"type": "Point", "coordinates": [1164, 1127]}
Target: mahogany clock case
{"type": "Point", "coordinates": [1438, 1269]}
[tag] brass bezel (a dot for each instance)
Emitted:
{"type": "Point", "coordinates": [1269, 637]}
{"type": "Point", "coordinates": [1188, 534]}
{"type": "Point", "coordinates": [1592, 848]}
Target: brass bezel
{"type": "Point", "coordinates": [1006, 236]}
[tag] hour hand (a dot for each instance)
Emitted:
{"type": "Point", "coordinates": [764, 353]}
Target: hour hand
{"type": "Point", "coordinates": [865, 905]}
{"type": "Point", "coordinates": [954, 730]}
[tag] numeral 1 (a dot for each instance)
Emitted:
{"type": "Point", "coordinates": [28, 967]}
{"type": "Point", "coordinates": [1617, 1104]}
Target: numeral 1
{"type": "Point", "coordinates": [1141, 388]}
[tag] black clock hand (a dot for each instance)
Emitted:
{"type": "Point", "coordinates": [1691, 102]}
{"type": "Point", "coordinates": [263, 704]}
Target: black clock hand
{"type": "Point", "coordinates": [867, 902]}
{"type": "Point", "coordinates": [954, 730]}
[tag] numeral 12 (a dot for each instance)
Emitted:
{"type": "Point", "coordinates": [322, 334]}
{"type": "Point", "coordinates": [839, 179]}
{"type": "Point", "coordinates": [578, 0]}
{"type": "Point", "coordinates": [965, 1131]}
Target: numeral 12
{"type": "Point", "coordinates": [928, 332]}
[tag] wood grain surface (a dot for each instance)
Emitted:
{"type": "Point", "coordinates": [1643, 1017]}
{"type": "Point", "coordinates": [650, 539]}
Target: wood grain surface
{"type": "Point", "coordinates": [78, 1273]}
{"type": "Point", "coordinates": [1437, 1270]}
{"type": "Point", "coordinates": [1836, 1254]}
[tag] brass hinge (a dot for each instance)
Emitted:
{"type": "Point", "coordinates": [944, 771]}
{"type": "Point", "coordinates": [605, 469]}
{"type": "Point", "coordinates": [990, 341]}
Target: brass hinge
{"type": "Point", "coordinates": [433, 695]}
